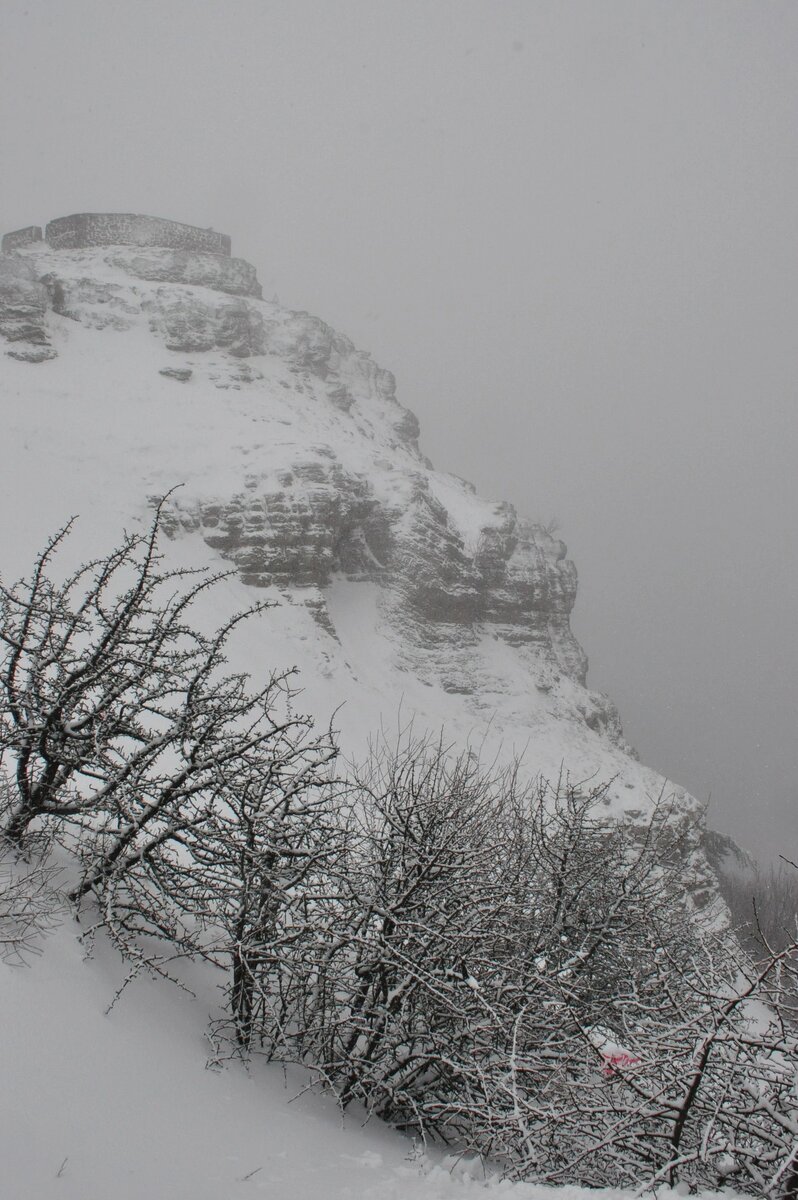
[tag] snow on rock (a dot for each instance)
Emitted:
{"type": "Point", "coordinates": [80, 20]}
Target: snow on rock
{"type": "Point", "coordinates": [399, 593]}
{"type": "Point", "coordinates": [400, 589]}
{"type": "Point", "coordinates": [233, 275]}
{"type": "Point", "coordinates": [23, 305]}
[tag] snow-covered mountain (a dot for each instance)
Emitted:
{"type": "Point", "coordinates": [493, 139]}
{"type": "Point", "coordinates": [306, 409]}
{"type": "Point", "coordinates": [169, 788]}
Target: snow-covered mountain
{"type": "Point", "coordinates": [137, 355]}
{"type": "Point", "coordinates": [136, 358]}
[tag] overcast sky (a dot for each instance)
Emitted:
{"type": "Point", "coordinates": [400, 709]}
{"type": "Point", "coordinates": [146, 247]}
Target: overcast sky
{"type": "Point", "coordinates": [571, 230]}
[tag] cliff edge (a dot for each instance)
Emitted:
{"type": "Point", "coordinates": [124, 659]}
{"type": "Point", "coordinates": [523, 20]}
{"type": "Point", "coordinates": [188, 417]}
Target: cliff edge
{"type": "Point", "coordinates": [131, 367]}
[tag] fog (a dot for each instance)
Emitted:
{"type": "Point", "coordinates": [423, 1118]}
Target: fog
{"type": "Point", "coordinates": [569, 228]}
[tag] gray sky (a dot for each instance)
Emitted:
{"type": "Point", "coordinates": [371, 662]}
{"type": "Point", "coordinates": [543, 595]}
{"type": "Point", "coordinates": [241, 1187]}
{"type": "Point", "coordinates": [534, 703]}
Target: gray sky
{"type": "Point", "coordinates": [569, 227]}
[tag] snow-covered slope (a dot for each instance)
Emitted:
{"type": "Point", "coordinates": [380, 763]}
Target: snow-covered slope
{"type": "Point", "coordinates": [399, 587]}
{"type": "Point", "coordinates": [121, 1105]}
{"type": "Point", "coordinates": [400, 594]}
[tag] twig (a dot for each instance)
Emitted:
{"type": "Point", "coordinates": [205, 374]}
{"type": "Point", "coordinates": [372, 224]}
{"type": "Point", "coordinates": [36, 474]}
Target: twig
{"type": "Point", "coordinates": [244, 1178]}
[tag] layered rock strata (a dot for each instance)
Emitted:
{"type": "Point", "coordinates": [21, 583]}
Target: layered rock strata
{"type": "Point", "coordinates": [393, 582]}
{"type": "Point", "coordinates": [114, 229]}
{"type": "Point", "coordinates": [24, 300]}
{"type": "Point", "coordinates": [358, 501]}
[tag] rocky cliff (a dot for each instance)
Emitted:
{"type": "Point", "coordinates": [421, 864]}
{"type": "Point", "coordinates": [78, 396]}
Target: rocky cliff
{"type": "Point", "coordinates": [399, 586]}
{"type": "Point", "coordinates": [454, 563]}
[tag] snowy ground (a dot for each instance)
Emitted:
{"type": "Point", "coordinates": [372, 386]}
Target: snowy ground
{"type": "Point", "coordinates": [121, 1106]}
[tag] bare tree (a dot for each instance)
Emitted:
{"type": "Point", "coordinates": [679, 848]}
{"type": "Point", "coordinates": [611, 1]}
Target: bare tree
{"type": "Point", "coordinates": [247, 877]}
{"type": "Point", "coordinates": [31, 903]}
{"type": "Point", "coordinates": [500, 967]}
{"type": "Point", "coordinates": [472, 957]}
{"type": "Point", "coordinates": [764, 904]}
{"type": "Point", "coordinates": [121, 731]}
{"type": "Point", "coordinates": [99, 672]}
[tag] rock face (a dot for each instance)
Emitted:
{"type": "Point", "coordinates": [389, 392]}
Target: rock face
{"type": "Point", "coordinates": [318, 520]}
{"type": "Point", "coordinates": [24, 301]}
{"type": "Point", "coordinates": [112, 229]}
{"type": "Point", "coordinates": [451, 566]}
{"type": "Point", "coordinates": [395, 584]}
{"type": "Point", "coordinates": [195, 267]}
{"type": "Point", "coordinates": [21, 237]}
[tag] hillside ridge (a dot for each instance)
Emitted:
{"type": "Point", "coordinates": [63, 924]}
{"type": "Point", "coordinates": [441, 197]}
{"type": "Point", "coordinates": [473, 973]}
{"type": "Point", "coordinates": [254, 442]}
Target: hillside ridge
{"type": "Point", "coordinates": [132, 368]}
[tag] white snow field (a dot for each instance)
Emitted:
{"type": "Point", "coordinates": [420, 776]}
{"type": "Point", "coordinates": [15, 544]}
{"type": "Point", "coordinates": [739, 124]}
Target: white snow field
{"type": "Point", "coordinates": [121, 1106]}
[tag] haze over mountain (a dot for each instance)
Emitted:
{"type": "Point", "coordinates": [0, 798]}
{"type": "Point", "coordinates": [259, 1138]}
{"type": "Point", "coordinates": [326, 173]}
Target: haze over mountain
{"type": "Point", "coordinates": [550, 245]}
{"type": "Point", "coordinates": [569, 229]}
{"type": "Point", "coordinates": [138, 354]}
{"type": "Point", "coordinates": [136, 360]}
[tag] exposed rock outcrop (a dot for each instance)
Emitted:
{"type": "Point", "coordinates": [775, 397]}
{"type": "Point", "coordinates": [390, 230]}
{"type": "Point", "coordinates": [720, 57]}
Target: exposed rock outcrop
{"type": "Point", "coordinates": [23, 307]}
{"type": "Point", "coordinates": [21, 237]}
{"type": "Point", "coordinates": [182, 374]}
{"type": "Point", "coordinates": [302, 469]}
{"type": "Point", "coordinates": [221, 274]}
{"type": "Point", "coordinates": [317, 520]}
{"type": "Point", "coordinates": [114, 229]}
{"type": "Point", "coordinates": [352, 499]}
{"type": "Point", "coordinates": [191, 324]}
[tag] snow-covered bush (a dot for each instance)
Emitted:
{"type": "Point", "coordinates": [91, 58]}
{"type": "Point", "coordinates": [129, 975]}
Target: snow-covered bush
{"type": "Point", "coordinates": [30, 906]}
{"type": "Point", "coordinates": [122, 735]}
{"type": "Point", "coordinates": [392, 980]}
{"type": "Point", "coordinates": [253, 875]}
{"type": "Point", "coordinates": [471, 957]}
{"type": "Point", "coordinates": [494, 965]}
{"type": "Point", "coordinates": [101, 679]}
